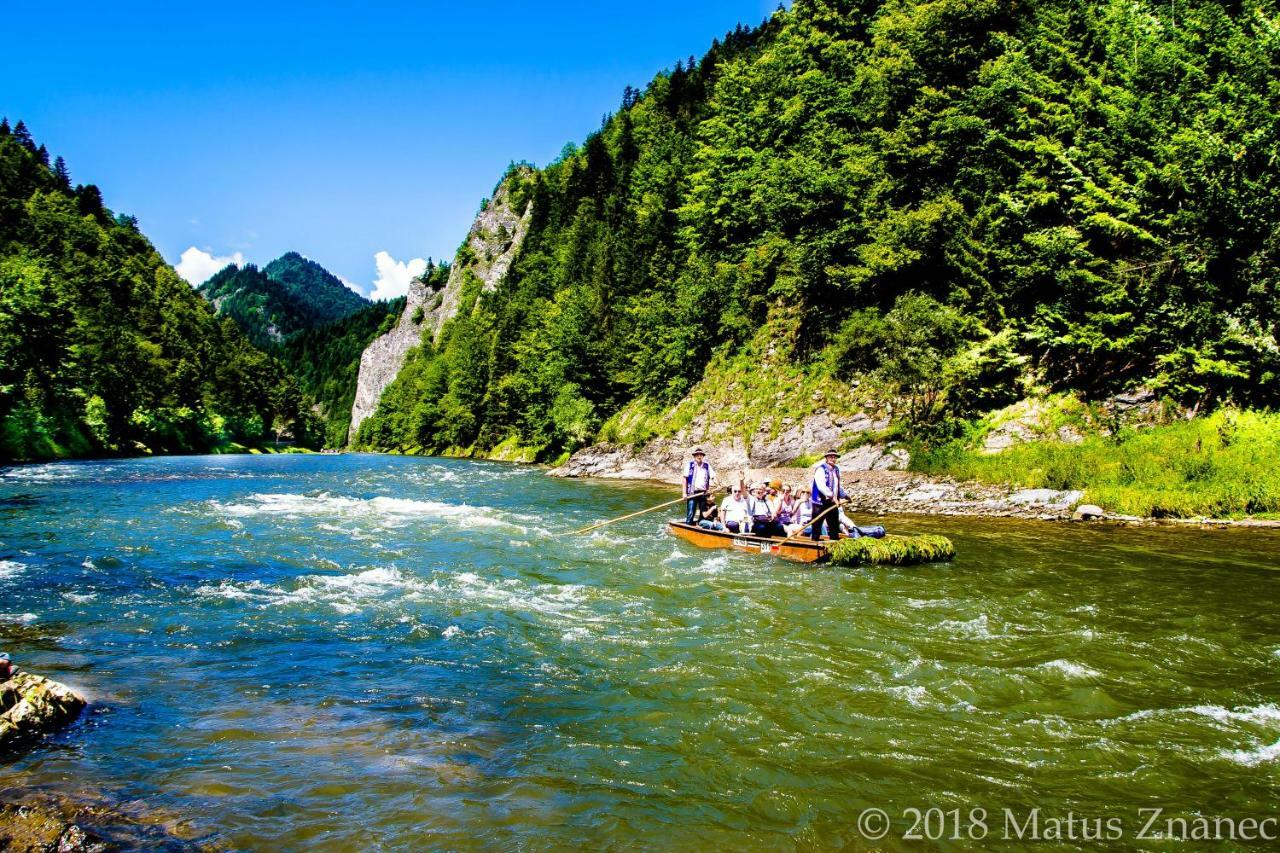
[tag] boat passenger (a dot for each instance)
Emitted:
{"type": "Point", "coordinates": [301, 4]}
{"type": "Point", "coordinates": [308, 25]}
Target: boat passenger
{"type": "Point", "coordinates": [711, 519]}
{"type": "Point", "coordinates": [803, 512]}
{"type": "Point", "coordinates": [733, 511]}
{"type": "Point", "coordinates": [786, 506]}
{"type": "Point", "coordinates": [847, 527]}
{"type": "Point", "coordinates": [698, 475]}
{"type": "Point", "coordinates": [6, 668]}
{"type": "Point", "coordinates": [764, 520]}
{"type": "Point", "coordinates": [825, 494]}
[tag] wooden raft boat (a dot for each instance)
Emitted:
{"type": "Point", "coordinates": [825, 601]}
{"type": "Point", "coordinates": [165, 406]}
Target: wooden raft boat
{"type": "Point", "coordinates": [803, 550]}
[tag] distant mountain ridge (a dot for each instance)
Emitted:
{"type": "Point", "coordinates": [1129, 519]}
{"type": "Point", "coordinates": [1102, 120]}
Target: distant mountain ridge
{"type": "Point", "coordinates": [290, 295]}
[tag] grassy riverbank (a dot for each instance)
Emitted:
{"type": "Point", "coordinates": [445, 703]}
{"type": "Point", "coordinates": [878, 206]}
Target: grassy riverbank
{"type": "Point", "coordinates": [1221, 466]}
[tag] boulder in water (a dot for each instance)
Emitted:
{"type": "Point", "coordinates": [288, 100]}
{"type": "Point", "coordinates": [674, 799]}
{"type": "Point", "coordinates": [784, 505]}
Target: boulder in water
{"type": "Point", "coordinates": [1088, 512]}
{"type": "Point", "coordinates": [31, 705]}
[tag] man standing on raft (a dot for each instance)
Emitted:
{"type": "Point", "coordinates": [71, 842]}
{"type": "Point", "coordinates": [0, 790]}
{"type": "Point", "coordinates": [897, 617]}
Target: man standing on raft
{"type": "Point", "coordinates": [827, 492]}
{"type": "Point", "coordinates": [698, 475]}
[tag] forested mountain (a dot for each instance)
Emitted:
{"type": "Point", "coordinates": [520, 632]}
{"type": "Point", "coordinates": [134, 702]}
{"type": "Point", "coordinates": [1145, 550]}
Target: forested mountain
{"type": "Point", "coordinates": [103, 348]}
{"type": "Point", "coordinates": [960, 201]}
{"type": "Point", "coordinates": [289, 295]}
{"type": "Point", "coordinates": [325, 360]}
{"type": "Point", "coordinates": [321, 294]}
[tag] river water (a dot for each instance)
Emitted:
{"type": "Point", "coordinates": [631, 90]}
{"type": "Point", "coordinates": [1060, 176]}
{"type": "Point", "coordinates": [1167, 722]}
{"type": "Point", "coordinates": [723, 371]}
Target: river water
{"type": "Point", "coordinates": [357, 652]}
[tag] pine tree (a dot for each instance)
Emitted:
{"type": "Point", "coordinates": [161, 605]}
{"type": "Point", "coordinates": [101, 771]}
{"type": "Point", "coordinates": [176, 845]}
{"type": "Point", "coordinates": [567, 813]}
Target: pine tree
{"type": "Point", "coordinates": [23, 136]}
{"type": "Point", "coordinates": [61, 174]}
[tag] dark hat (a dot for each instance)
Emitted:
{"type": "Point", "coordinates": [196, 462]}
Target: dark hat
{"type": "Point", "coordinates": [831, 453]}
{"type": "Point", "coordinates": [698, 451]}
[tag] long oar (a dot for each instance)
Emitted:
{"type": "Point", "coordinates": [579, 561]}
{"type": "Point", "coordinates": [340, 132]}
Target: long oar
{"type": "Point", "coordinates": [632, 515]}
{"type": "Point", "coordinates": [812, 522]}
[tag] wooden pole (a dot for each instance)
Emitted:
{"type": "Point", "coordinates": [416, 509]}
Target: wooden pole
{"type": "Point", "coordinates": [634, 514]}
{"type": "Point", "coordinates": [813, 521]}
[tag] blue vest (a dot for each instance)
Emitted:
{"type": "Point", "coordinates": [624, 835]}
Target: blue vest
{"type": "Point", "coordinates": [689, 472]}
{"type": "Point", "coordinates": [831, 479]}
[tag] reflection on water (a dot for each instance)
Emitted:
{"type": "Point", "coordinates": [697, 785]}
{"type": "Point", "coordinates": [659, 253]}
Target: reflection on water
{"type": "Point", "coordinates": [362, 651]}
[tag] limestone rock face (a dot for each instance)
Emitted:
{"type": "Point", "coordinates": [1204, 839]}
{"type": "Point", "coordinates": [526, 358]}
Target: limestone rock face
{"type": "Point", "coordinates": [662, 459]}
{"type": "Point", "coordinates": [31, 705]}
{"type": "Point", "coordinates": [382, 359]}
{"type": "Point", "coordinates": [486, 256]}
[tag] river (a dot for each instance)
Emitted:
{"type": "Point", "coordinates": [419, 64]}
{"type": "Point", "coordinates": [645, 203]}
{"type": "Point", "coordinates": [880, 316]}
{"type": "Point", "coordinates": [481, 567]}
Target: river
{"type": "Point", "coordinates": [358, 652]}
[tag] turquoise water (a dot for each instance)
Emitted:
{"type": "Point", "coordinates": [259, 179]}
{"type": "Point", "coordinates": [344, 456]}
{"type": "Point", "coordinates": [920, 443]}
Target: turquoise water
{"type": "Point", "coordinates": [360, 652]}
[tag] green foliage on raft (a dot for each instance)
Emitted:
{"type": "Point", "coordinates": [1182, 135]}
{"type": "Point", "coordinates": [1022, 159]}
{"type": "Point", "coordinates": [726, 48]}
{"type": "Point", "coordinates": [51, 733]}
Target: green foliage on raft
{"type": "Point", "coordinates": [891, 550]}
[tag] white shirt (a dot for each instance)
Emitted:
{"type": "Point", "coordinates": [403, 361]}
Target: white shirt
{"type": "Point", "coordinates": [698, 477]}
{"type": "Point", "coordinates": [733, 510]}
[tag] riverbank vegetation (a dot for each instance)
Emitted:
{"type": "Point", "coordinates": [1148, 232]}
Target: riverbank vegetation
{"type": "Point", "coordinates": [103, 348]}
{"type": "Point", "coordinates": [936, 208]}
{"type": "Point", "coordinates": [1219, 466]}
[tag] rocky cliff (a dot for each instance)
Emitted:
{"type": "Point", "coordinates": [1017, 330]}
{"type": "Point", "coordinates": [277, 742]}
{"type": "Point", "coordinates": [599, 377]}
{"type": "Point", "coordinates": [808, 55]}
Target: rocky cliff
{"type": "Point", "coordinates": [487, 254]}
{"type": "Point", "coordinates": [662, 458]}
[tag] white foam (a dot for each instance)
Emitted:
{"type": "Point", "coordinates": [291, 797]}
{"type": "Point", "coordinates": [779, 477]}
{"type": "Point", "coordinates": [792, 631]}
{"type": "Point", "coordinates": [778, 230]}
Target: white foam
{"type": "Point", "coordinates": [361, 582]}
{"type": "Point", "coordinates": [11, 568]}
{"type": "Point", "coordinates": [43, 473]}
{"type": "Point", "coordinates": [76, 598]}
{"type": "Point", "coordinates": [1254, 757]}
{"type": "Point", "coordinates": [914, 694]}
{"type": "Point", "coordinates": [574, 635]}
{"type": "Point", "coordinates": [977, 627]}
{"type": "Point", "coordinates": [714, 565]}
{"type": "Point", "coordinates": [18, 617]}
{"type": "Point", "coordinates": [511, 594]}
{"type": "Point", "coordinates": [451, 631]}
{"type": "Point", "coordinates": [675, 556]}
{"type": "Point", "coordinates": [1070, 669]}
{"type": "Point", "coordinates": [237, 592]}
{"type": "Point", "coordinates": [1258, 715]}
{"type": "Point", "coordinates": [88, 563]}
{"type": "Point", "coordinates": [390, 510]}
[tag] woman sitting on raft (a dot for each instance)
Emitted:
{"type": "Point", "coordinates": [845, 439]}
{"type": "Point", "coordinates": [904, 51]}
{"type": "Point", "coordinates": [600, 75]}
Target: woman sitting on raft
{"type": "Point", "coordinates": [764, 514]}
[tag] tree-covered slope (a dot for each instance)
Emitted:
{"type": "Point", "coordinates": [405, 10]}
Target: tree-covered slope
{"type": "Point", "coordinates": [957, 200]}
{"type": "Point", "coordinates": [287, 296]}
{"type": "Point", "coordinates": [103, 348]}
{"type": "Point", "coordinates": [320, 295]}
{"type": "Point", "coordinates": [326, 360]}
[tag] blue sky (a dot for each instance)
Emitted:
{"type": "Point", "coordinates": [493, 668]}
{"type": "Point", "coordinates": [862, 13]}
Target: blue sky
{"type": "Point", "coordinates": [337, 130]}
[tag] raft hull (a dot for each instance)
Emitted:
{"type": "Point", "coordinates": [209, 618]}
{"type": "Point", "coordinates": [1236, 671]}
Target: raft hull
{"type": "Point", "coordinates": [802, 550]}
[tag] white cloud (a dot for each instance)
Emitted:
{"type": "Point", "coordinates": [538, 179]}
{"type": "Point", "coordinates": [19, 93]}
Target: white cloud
{"type": "Point", "coordinates": [197, 266]}
{"type": "Point", "coordinates": [351, 284]}
{"type": "Point", "coordinates": [394, 276]}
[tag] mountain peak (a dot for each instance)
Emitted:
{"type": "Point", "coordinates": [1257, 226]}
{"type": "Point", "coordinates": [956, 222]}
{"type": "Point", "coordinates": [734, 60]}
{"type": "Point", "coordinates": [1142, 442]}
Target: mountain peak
{"type": "Point", "coordinates": [288, 295]}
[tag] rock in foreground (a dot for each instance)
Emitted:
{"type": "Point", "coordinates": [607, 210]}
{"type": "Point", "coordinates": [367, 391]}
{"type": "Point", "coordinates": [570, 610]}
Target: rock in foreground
{"type": "Point", "coordinates": [45, 822]}
{"type": "Point", "coordinates": [31, 705]}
